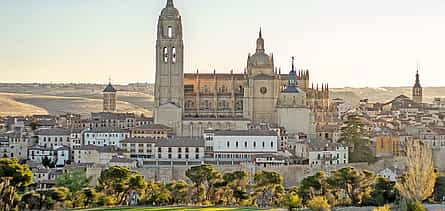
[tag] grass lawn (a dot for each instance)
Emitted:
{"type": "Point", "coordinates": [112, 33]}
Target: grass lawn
{"type": "Point", "coordinates": [181, 209]}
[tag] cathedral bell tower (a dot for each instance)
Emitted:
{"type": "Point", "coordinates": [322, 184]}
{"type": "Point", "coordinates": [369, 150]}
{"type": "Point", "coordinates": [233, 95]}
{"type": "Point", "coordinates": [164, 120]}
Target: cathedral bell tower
{"type": "Point", "coordinates": [169, 83]}
{"type": "Point", "coordinates": [417, 90]}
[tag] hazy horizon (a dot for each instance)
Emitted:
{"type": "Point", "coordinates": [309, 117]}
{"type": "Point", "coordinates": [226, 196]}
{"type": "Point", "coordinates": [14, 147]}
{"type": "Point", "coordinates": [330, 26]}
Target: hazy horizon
{"type": "Point", "coordinates": [346, 43]}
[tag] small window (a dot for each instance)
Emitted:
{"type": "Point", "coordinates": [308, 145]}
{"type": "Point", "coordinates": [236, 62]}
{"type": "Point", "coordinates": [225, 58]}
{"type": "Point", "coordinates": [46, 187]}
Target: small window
{"type": "Point", "coordinates": [165, 55]}
{"type": "Point", "coordinates": [170, 32]}
{"type": "Point", "coordinates": [174, 55]}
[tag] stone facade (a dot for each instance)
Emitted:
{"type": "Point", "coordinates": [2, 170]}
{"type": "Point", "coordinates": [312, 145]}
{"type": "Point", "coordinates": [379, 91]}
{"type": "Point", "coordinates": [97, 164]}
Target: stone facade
{"type": "Point", "coordinates": [193, 102]}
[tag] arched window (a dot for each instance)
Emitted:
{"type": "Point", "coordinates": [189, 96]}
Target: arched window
{"type": "Point", "coordinates": [228, 144]}
{"type": "Point", "coordinates": [236, 144]}
{"type": "Point", "coordinates": [170, 32]}
{"type": "Point", "coordinates": [165, 54]}
{"type": "Point", "coordinates": [174, 55]}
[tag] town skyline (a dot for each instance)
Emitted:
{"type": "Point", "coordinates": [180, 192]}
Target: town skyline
{"type": "Point", "coordinates": [341, 44]}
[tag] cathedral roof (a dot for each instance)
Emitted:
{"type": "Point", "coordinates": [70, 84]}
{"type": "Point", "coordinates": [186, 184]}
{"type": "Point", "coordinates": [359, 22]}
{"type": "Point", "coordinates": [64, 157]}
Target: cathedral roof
{"type": "Point", "coordinates": [109, 88]}
{"type": "Point", "coordinates": [170, 10]}
{"type": "Point", "coordinates": [260, 57]}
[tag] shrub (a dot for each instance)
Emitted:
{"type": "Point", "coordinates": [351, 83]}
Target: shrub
{"type": "Point", "coordinates": [384, 208]}
{"type": "Point", "coordinates": [319, 203]}
{"type": "Point", "coordinates": [293, 201]}
{"type": "Point", "coordinates": [415, 206]}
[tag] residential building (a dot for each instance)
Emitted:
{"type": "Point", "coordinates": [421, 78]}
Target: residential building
{"type": "Point", "coordinates": [240, 144]}
{"type": "Point", "coordinates": [104, 136]}
{"type": "Point", "coordinates": [151, 131]}
{"type": "Point", "coordinates": [96, 155]}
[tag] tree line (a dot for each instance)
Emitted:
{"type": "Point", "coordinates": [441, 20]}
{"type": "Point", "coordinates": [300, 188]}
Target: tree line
{"type": "Point", "coordinates": [205, 186]}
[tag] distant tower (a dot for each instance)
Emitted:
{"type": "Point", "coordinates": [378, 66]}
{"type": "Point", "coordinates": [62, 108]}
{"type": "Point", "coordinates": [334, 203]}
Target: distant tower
{"type": "Point", "coordinates": [417, 89]}
{"type": "Point", "coordinates": [169, 85]}
{"type": "Point", "coordinates": [109, 100]}
{"type": "Point", "coordinates": [169, 82]}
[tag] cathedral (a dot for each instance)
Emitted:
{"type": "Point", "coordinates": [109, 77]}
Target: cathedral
{"type": "Point", "coordinates": [260, 95]}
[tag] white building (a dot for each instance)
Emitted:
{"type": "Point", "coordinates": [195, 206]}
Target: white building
{"type": "Point", "coordinates": [168, 151]}
{"type": "Point", "coordinates": [60, 155]}
{"type": "Point", "coordinates": [388, 174]}
{"type": "Point", "coordinates": [240, 144]}
{"type": "Point", "coordinates": [104, 136]}
{"type": "Point", "coordinates": [53, 137]}
{"type": "Point", "coordinates": [434, 137]}
{"type": "Point", "coordinates": [322, 154]}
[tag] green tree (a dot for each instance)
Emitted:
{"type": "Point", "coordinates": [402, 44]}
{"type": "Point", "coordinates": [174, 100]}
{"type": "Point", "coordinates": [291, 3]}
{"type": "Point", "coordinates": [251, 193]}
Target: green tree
{"type": "Point", "coordinates": [315, 185]}
{"type": "Point", "coordinates": [89, 195]}
{"type": "Point", "coordinates": [104, 200]}
{"type": "Point", "coordinates": [75, 181]}
{"type": "Point", "coordinates": [356, 185]}
{"type": "Point", "coordinates": [237, 183]}
{"type": "Point", "coordinates": [293, 201]}
{"type": "Point", "coordinates": [355, 135]}
{"type": "Point", "coordinates": [156, 194]}
{"type": "Point", "coordinates": [115, 181]}
{"type": "Point", "coordinates": [439, 189]}
{"type": "Point", "coordinates": [267, 183]}
{"type": "Point", "coordinates": [12, 176]}
{"type": "Point", "coordinates": [136, 186]}
{"type": "Point", "coordinates": [204, 177]}
{"type": "Point", "coordinates": [417, 184]}
{"type": "Point", "coordinates": [179, 191]}
{"type": "Point", "coordinates": [58, 194]}
{"type": "Point", "coordinates": [30, 200]}
{"type": "Point", "coordinates": [319, 203]}
{"type": "Point", "coordinates": [384, 192]}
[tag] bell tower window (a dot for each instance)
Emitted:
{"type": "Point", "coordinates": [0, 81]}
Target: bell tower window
{"type": "Point", "coordinates": [165, 54]}
{"type": "Point", "coordinates": [170, 32]}
{"type": "Point", "coordinates": [174, 55]}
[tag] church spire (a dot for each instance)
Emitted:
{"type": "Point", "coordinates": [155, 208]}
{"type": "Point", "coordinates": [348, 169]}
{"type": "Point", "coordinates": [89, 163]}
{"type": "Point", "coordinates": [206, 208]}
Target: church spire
{"type": "Point", "coordinates": [417, 84]}
{"type": "Point", "coordinates": [260, 43]}
{"type": "Point", "coordinates": [170, 3]}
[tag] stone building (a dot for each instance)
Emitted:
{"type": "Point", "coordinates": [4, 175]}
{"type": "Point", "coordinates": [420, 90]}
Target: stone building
{"type": "Point", "coordinates": [193, 102]}
{"type": "Point", "coordinates": [109, 98]}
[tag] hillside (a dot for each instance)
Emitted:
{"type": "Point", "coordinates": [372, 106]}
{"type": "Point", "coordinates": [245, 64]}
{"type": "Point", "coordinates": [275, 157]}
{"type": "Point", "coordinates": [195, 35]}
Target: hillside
{"type": "Point", "coordinates": [25, 99]}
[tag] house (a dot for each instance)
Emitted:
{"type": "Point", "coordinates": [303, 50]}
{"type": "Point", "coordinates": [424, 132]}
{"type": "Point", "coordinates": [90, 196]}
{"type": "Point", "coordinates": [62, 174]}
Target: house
{"type": "Point", "coordinates": [169, 151]}
{"type": "Point", "coordinates": [151, 131]}
{"type": "Point", "coordinates": [240, 144]}
{"type": "Point", "coordinates": [59, 155]}
{"type": "Point", "coordinates": [103, 136]}
{"type": "Point", "coordinates": [52, 137]}
{"type": "Point", "coordinates": [96, 155]}
{"type": "Point", "coordinates": [322, 153]}
{"type": "Point", "coordinates": [388, 174]}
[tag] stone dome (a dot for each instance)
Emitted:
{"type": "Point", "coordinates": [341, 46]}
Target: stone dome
{"type": "Point", "coordinates": [260, 58]}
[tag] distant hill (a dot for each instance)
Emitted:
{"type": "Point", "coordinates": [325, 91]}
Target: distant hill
{"type": "Point", "coordinates": [383, 94]}
{"type": "Point", "coordinates": [22, 99]}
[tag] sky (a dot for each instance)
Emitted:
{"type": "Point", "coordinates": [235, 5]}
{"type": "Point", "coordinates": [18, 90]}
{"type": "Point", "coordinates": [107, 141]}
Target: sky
{"type": "Point", "coordinates": [346, 43]}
